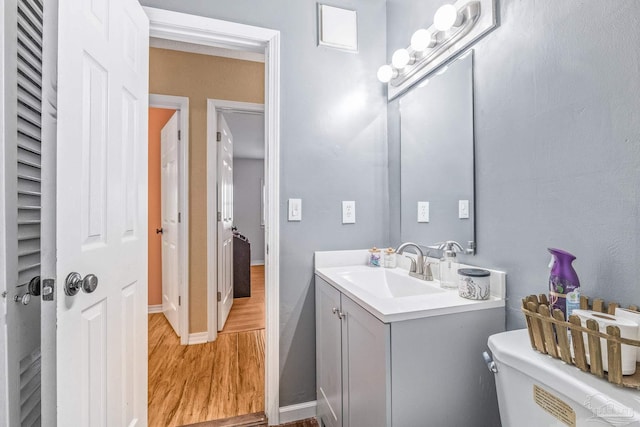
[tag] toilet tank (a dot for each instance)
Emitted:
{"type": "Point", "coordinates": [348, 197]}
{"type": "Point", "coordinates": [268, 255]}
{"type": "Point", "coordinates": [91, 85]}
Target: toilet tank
{"type": "Point", "coordinates": [535, 390]}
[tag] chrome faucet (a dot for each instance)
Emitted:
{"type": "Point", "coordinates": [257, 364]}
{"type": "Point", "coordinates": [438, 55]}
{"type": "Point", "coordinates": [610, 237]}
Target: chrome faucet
{"type": "Point", "coordinates": [420, 268]}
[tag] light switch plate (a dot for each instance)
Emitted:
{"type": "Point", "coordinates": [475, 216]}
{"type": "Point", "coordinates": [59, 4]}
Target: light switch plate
{"type": "Point", "coordinates": [295, 209]}
{"type": "Point", "coordinates": [463, 209]}
{"type": "Point", "coordinates": [349, 212]}
{"type": "Point", "coordinates": [423, 211]}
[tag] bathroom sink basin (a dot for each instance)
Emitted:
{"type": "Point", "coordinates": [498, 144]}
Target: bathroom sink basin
{"type": "Point", "coordinates": [387, 283]}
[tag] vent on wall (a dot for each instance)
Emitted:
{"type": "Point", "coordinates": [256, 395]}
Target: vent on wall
{"type": "Point", "coordinates": [29, 110]}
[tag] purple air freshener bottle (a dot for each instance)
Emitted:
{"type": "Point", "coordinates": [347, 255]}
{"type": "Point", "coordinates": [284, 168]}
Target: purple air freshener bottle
{"type": "Point", "coordinates": [563, 279]}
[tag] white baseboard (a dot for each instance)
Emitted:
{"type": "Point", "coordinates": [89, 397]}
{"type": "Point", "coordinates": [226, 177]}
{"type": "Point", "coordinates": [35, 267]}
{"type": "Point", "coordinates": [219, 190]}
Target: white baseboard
{"type": "Point", "coordinates": [155, 308]}
{"type": "Point", "coordinates": [298, 412]}
{"type": "Point", "coordinates": [198, 338]}
{"type": "Point", "coordinates": [257, 262]}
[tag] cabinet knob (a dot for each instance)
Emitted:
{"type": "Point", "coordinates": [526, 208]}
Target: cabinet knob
{"type": "Point", "coordinates": [337, 312]}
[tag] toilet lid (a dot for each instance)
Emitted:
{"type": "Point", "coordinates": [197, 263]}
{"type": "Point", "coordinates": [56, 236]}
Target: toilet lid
{"type": "Point", "coordinates": [513, 349]}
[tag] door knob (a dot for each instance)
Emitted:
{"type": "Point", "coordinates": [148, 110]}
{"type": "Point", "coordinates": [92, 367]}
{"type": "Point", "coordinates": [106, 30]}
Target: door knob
{"type": "Point", "coordinates": [159, 231]}
{"type": "Point", "coordinates": [24, 299]}
{"type": "Point", "coordinates": [33, 289]}
{"type": "Point", "coordinates": [75, 282]}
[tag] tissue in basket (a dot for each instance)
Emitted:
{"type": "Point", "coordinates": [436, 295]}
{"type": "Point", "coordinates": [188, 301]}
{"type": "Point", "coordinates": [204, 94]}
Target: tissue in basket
{"type": "Point", "coordinates": [628, 329]}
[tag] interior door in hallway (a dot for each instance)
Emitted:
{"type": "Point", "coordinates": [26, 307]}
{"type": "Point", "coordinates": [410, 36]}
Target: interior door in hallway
{"type": "Point", "coordinates": [169, 184]}
{"type": "Point", "coordinates": [96, 371]}
{"type": "Point", "coordinates": [225, 221]}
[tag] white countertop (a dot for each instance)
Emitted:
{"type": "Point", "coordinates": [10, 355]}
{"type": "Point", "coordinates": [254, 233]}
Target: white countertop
{"type": "Point", "coordinates": [330, 265]}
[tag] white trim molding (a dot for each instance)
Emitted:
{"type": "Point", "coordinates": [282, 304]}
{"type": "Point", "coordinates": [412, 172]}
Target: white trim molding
{"type": "Point", "coordinates": [215, 106]}
{"type": "Point", "coordinates": [257, 262]}
{"type": "Point", "coordinates": [198, 338]}
{"type": "Point", "coordinates": [176, 26]}
{"type": "Point", "coordinates": [301, 411]}
{"type": "Point", "coordinates": [157, 308]}
{"type": "Point", "coordinates": [181, 104]}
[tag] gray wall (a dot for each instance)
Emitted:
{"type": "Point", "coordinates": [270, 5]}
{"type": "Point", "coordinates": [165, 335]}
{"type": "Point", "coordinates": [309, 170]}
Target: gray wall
{"type": "Point", "coordinates": [557, 111]}
{"type": "Point", "coordinates": [247, 193]}
{"type": "Point", "coordinates": [333, 136]}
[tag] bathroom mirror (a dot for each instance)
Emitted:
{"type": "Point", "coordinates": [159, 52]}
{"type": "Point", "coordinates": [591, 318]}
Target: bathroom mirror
{"type": "Point", "coordinates": [436, 157]}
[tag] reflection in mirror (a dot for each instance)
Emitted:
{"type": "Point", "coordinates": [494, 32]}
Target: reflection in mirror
{"type": "Point", "coordinates": [436, 157]}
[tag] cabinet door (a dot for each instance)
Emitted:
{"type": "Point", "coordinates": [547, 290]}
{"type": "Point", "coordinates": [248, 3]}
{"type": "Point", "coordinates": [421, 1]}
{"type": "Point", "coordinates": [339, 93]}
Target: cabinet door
{"type": "Point", "coordinates": [366, 368]}
{"type": "Point", "coordinates": [328, 354]}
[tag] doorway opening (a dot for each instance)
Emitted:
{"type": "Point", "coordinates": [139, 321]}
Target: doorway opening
{"type": "Point", "coordinates": [169, 211]}
{"type": "Point", "coordinates": [170, 26]}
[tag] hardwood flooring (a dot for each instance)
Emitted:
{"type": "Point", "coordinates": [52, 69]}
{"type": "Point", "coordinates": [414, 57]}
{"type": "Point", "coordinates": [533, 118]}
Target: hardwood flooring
{"type": "Point", "coordinates": [253, 420]}
{"type": "Point", "coordinates": [248, 314]}
{"type": "Point", "coordinates": [190, 384]}
{"type": "Point", "coordinates": [212, 381]}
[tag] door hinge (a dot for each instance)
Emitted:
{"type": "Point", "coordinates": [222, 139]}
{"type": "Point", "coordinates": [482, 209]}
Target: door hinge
{"type": "Point", "coordinates": [179, 217]}
{"type": "Point", "coordinates": [179, 300]}
{"type": "Point", "coordinates": [218, 136]}
{"type": "Point", "coordinates": [219, 216]}
{"type": "Point", "coordinates": [179, 135]}
{"type": "Point", "coordinates": [219, 297]}
{"type": "Point", "coordinates": [267, 249]}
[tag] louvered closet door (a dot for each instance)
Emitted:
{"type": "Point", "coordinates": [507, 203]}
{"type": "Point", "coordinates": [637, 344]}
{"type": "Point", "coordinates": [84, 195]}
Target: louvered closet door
{"type": "Point", "coordinates": [23, 229]}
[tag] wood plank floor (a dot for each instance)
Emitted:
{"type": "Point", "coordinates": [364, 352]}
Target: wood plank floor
{"type": "Point", "coordinates": [190, 384]}
{"type": "Point", "coordinates": [248, 314]}
{"type": "Point", "coordinates": [253, 420]}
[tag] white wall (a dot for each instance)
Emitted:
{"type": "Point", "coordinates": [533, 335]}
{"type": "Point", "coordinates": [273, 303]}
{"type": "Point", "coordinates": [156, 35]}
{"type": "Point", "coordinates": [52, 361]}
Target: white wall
{"type": "Point", "coordinates": [247, 190]}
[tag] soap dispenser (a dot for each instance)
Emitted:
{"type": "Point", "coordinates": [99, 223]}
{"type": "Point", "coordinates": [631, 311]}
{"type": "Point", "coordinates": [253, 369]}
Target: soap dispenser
{"type": "Point", "coordinates": [449, 264]}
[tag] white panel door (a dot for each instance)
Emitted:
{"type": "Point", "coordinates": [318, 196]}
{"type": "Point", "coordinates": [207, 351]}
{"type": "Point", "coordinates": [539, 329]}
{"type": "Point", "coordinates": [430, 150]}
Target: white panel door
{"type": "Point", "coordinates": [101, 213]}
{"type": "Point", "coordinates": [169, 184]}
{"type": "Point", "coordinates": [225, 221]}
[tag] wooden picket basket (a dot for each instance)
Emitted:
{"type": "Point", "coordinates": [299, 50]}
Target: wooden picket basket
{"type": "Point", "coordinates": [548, 333]}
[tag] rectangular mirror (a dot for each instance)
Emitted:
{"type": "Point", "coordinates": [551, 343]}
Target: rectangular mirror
{"type": "Point", "coordinates": [437, 157]}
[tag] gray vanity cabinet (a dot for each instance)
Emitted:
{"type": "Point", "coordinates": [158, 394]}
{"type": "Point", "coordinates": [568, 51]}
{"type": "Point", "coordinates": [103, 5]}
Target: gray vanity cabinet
{"type": "Point", "coordinates": [352, 362]}
{"type": "Point", "coordinates": [417, 372]}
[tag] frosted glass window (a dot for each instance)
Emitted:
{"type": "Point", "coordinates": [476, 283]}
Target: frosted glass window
{"type": "Point", "coordinates": [337, 27]}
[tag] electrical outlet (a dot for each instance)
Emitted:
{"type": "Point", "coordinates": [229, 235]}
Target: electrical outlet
{"type": "Point", "coordinates": [463, 209]}
{"type": "Point", "coordinates": [423, 211]}
{"type": "Point", "coordinates": [295, 209]}
{"type": "Point", "coordinates": [349, 212]}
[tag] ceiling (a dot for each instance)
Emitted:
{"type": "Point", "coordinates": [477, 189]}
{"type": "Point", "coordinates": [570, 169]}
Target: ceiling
{"type": "Point", "coordinates": [248, 134]}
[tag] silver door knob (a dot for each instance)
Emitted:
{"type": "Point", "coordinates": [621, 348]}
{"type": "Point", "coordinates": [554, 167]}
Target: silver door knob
{"type": "Point", "coordinates": [24, 299]}
{"type": "Point", "coordinates": [75, 282]}
{"type": "Point", "coordinates": [33, 288]}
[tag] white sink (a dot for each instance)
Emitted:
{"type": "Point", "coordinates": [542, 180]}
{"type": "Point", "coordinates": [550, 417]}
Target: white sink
{"type": "Point", "coordinates": [392, 295]}
{"type": "Point", "coordinates": [387, 283]}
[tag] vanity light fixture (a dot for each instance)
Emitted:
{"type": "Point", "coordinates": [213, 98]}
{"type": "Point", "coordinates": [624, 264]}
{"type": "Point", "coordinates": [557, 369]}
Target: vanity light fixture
{"type": "Point", "coordinates": [447, 17]}
{"type": "Point", "coordinates": [450, 24]}
{"type": "Point", "coordinates": [401, 58]}
{"type": "Point", "coordinates": [386, 73]}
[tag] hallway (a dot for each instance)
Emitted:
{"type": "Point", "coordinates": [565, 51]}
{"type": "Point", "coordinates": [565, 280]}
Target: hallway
{"type": "Point", "coordinates": [220, 379]}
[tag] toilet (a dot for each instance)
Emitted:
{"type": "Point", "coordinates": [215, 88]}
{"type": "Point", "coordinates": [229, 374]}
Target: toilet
{"type": "Point", "coordinates": [535, 390]}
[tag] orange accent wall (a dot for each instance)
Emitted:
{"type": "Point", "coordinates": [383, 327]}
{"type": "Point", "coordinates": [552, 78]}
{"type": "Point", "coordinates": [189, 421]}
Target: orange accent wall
{"type": "Point", "coordinates": [200, 77]}
{"type": "Point", "coordinates": [158, 117]}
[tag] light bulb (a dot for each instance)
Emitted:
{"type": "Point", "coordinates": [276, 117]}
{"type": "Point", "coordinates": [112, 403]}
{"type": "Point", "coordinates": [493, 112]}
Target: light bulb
{"type": "Point", "coordinates": [386, 73]}
{"type": "Point", "coordinates": [446, 17]}
{"type": "Point", "coordinates": [400, 58]}
{"type": "Point", "coordinates": [421, 40]}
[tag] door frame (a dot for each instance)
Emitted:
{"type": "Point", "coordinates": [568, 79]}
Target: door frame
{"type": "Point", "coordinates": [214, 32]}
{"type": "Point", "coordinates": [181, 105]}
{"type": "Point", "coordinates": [215, 106]}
